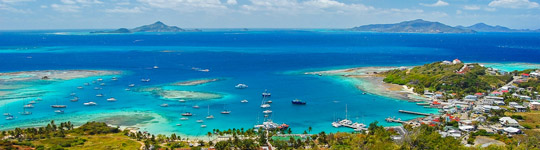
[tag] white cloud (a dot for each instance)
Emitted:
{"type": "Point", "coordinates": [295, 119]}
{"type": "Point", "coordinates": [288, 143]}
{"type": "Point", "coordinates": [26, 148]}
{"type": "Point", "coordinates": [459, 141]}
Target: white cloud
{"type": "Point", "coordinates": [232, 2]}
{"type": "Point", "coordinates": [14, 1]}
{"type": "Point", "coordinates": [436, 4]}
{"type": "Point", "coordinates": [515, 4]}
{"type": "Point", "coordinates": [124, 10]}
{"type": "Point", "coordinates": [305, 7]}
{"type": "Point", "coordinates": [185, 5]}
{"type": "Point", "coordinates": [471, 7]}
{"type": "Point", "coordinates": [4, 7]}
{"type": "Point", "coordinates": [65, 8]}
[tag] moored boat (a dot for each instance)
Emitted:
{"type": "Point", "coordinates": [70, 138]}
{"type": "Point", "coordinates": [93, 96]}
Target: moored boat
{"type": "Point", "coordinates": [187, 114]}
{"type": "Point", "coordinates": [244, 101]}
{"type": "Point", "coordinates": [298, 102]}
{"type": "Point", "coordinates": [241, 86]}
{"type": "Point", "coordinates": [58, 106]}
{"type": "Point", "coordinates": [90, 104]}
{"type": "Point", "coordinates": [112, 99]}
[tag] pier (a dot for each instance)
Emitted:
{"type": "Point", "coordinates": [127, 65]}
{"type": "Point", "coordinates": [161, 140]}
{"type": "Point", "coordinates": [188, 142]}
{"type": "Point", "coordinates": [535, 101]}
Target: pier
{"type": "Point", "coordinates": [414, 113]}
{"type": "Point", "coordinates": [394, 120]}
{"type": "Point", "coordinates": [356, 128]}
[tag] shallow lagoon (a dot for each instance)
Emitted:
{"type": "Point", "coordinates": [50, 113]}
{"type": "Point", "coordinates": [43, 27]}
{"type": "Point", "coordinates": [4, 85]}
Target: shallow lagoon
{"type": "Point", "coordinates": [262, 60]}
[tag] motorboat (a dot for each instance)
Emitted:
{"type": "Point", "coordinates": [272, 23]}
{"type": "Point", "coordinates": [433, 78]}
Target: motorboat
{"type": "Point", "coordinates": [58, 106]}
{"type": "Point", "coordinates": [210, 117]}
{"type": "Point", "coordinates": [187, 114]}
{"type": "Point", "coordinates": [267, 111]}
{"type": "Point", "coordinates": [97, 88]}
{"type": "Point", "coordinates": [90, 104]}
{"type": "Point", "coordinates": [200, 121]}
{"type": "Point", "coordinates": [114, 78]}
{"type": "Point", "coordinates": [196, 106]}
{"type": "Point", "coordinates": [241, 86]}
{"type": "Point", "coordinates": [244, 101]}
{"type": "Point", "coordinates": [203, 126]}
{"type": "Point", "coordinates": [112, 99]}
{"type": "Point", "coordinates": [269, 101]}
{"type": "Point", "coordinates": [74, 99]}
{"type": "Point", "coordinates": [99, 95]}
{"type": "Point", "coordinates": [184, 118]}
{"type": "Point", "coordinates": [32, 102]}
{"type": "Point", "coordinates": [298, 102]}
{"type": "Point", "coordinates": [156, 67]}
{"type": "Point", "coordinates": [59, 111]}
{"type": "Point", "coordinates": [10, 117]}
{"type": "Point", "coordinates": [182, 100]}
{"type": "Point", "coordinates": [131, 85]}
{"type": "Point", "coordinates": [28, 106]}
{"type": "Point", "coordinates": [178, 124]}
{"type": "Point", "coordinates": [79, 87]}
{"type": "Point", "coordinates": [102, 84]}
{"type": "Point", "coordinates": [265, 105]}
{"type": "Point", "coordinates": [164, 105]}
{"type": "Point", "coordinates": [72, 94]}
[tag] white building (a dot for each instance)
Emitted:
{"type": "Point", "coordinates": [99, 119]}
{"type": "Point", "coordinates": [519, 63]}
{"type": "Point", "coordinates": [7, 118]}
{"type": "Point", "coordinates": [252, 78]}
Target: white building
{"type": "Point", "coordinates": [508, 122]}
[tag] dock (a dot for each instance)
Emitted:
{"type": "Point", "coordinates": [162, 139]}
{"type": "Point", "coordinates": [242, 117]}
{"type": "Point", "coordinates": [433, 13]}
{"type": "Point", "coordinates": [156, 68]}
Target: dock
{"type": "Point", "coordinates": [394, 120]}
{"type": "Point", "coordinates": [414, 113]}
{"type": "Point", "coordinates": [355, 128]}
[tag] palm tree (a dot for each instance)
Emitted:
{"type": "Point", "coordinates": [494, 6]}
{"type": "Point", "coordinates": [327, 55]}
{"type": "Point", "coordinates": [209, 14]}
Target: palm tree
{"type": "Point", "coordinates": [309, 129]}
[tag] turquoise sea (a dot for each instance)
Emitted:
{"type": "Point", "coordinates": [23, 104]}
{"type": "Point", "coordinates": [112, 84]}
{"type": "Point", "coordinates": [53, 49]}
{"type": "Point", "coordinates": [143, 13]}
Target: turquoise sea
{"type": "Point", "coordinates": [263, 59]}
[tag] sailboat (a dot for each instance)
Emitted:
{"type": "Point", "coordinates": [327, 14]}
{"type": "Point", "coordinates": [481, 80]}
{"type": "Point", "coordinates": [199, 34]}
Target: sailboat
{"type": "Point", "coordinates": [209, 116]}
{"type": "Point", "coordinates": [6, 110]}
{"type": "Point", "coordinates": [58, 106]}
{"type": "Point", "coordinates": [112, 99]}
{"type": "Point", "coordinates": [264, 104]}
{"type": "Point", "coordinates": [59, 111]}
{"type": "Point", "coordinates": [225, 111]}
{"type": "Point", "coordinates": [25, 112]}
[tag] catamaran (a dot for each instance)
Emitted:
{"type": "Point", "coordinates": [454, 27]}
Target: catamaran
{"type": "Point", "coordinates": [266, 93]}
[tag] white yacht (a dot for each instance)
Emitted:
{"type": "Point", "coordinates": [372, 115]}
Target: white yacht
{"type": "Point", "coordinates": [182, 100]}
{"type": "Point", "coordinates": [200, 121]}
{"type": "Point", "coordinates": [74, 99]}
{"type": "Point", "coordinates": [99, 79]}
{"type": "Point", "coordinates": [59, 111]}
{"type": "Point", "coordinates": [7, 114]}
{"type": "Point", "coordinates": [267, 111]}
{"type": "Point", "coordinates": [114, 78]}
{"type": "Point", "coordinates": [184, 118]}
{"type": "Point", "coordinates": [209, 116]}
{"type": "Point", "coordinates": [80, 87]}
{"type": "Point", "coordinates": [32, 102]}
{"type": "Point", "coordinates": [127, 89]}
{"type": "Point", "coordinates": [10, 117]}
{"type": "Point", "coordinates": [112, 99]}
{"type": "Point", "coordinates": [90, 104]}
{"type": "Point", "coordinates": [156, 67]}
{"type": "Point", "coordinates": [244, 101]}
{"type": "Point", "coordinates": [97, 88]}
{"type": "Point", "coordinates": [99, 95]}
{"type": "Point", "coordinates": [203, 126]}
{"type": "Point", "coordinates": [164, 105]}
{"type": "Point", "coordinates": [28, 106]}
{"type": "Point", "coordinates": [265, 105]}
{"type": "Point", "coordinates": [241, 86]}
{"type": "Point", "coordinates": [72, 94]}
{"type": "Point", "coordinates": [145, 80]}
{"type": "Point", "coordinates": [131, 85]}
{"type": "Point", "coordinates": [196, 106]}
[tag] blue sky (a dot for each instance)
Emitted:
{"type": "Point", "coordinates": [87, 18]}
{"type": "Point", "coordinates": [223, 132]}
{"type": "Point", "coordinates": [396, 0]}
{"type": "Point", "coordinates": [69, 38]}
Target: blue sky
{"type": "Point", "coordinates": [105, 14]}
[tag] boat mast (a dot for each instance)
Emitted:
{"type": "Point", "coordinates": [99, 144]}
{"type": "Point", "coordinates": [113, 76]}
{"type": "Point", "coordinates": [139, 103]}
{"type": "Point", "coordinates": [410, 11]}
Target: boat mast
{"type": "Point", "coordinates": [345, 111]}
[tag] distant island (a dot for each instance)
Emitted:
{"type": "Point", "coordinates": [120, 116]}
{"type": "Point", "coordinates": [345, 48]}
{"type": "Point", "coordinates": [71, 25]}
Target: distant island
{"type": "Point", "coordinates": [156, 27]}
{"type": "Point", "coordinates": [414, 26]}
{"type": "Point", "coordinates": [422, 26]}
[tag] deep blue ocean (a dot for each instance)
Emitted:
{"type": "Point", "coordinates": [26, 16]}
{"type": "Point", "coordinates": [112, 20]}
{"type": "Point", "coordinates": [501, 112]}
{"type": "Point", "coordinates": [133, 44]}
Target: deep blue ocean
{"type": "Point", "coordinates": [263, 59]}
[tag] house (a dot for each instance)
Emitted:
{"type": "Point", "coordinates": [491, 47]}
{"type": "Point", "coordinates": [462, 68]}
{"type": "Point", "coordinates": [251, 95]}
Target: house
{"type": "Point", "coordinates": [508, 122]}
{"type": "Point", "coordinates": [466, 128]}
{"type": "Point", "coordinates": [512, 130]}
{"type": "Point", "coordinates": [525, 75]}
{"type": "Point", "coordinates": [451, 131]}
{"type": "Point", "coordinates": [523, 97]}
{"type": "Point", "coordinates": [535, 74]}
{"type": "Point", "coordinates": [456, 61]}
{"type": "Point", "coordinates": [470, 98]}
{"type": "Point", "coordinates": [495, 93]}
{"type": "Point", "coordinates": [520, 108]}
{"type": "Point", "coordinates": [498, 102]}
{"type": "Point", "coordinates": [446, 62]}
{"type": "Point", "coordinates": [534, 106]}
{"type": "Point", "coordinates": [480, 119]}
{"type": "Point", "coordinates": [479, 95]}
{"type": "Point", "coordinates": [513, 104]}
{"type": "Point", "coordinates": [487, 102]}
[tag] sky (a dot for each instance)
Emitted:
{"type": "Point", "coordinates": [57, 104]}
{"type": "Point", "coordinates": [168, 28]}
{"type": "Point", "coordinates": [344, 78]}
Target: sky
{"type": "Point", "coordinates": [111, 14]}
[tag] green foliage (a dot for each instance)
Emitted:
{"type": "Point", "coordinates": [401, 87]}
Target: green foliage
{"type": "Point", "coordinates": [91, 128]}
{"type": "Point", "coordinates": [440, 77]}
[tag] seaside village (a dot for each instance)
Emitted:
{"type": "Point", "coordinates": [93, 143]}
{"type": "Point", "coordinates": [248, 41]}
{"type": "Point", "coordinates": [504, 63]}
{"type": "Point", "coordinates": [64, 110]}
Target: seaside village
{"type": "Point", "coordinates": [485, 112]}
